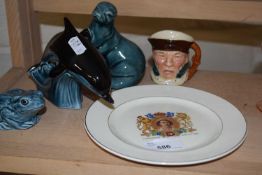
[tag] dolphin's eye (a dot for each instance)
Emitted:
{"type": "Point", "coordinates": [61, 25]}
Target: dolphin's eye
{"type": "Point", "coordinates": [24, 102]}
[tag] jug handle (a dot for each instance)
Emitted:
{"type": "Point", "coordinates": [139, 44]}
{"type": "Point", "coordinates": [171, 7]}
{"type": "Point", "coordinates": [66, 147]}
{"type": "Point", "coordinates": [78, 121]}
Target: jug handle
{"type": "Point", "coordinates": [196, 59]}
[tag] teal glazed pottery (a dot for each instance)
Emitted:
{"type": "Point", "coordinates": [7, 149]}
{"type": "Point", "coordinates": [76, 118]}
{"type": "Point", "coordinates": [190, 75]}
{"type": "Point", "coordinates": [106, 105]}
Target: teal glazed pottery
{"type": "Point", "coordinates": [19, 109]}
{"type": "Point", "coordinates": [124, 58]}
{"type": "Point", "coordinates": [71, 61]}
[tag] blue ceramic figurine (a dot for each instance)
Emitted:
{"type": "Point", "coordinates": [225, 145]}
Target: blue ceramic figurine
{"type": "Point", "coordinates": [68, 62]}
{"type": "Point", "coordinates": [19, 109]}
{"type": "Point", "coordinates": [124, 58]}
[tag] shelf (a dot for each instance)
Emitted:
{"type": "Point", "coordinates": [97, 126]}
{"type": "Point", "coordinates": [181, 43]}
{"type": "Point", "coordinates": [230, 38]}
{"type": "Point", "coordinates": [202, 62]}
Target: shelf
{"type": "Point", "coordinates": [222, 10]}
{"type": "Point", "coordinates": [58, 144]}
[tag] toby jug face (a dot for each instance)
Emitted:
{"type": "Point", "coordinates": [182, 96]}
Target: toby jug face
{"type": "Point", "coordinates": [173, 64]}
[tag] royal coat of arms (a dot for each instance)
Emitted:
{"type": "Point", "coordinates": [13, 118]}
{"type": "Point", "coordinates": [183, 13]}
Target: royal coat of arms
{"type": "Point", "coordinates": [162, 124]}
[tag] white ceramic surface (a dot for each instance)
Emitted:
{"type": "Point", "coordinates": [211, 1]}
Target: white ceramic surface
{"type": "Point", "coordinates": [219, 128]}
{"type": "Point", "coordinates": [172, 35]}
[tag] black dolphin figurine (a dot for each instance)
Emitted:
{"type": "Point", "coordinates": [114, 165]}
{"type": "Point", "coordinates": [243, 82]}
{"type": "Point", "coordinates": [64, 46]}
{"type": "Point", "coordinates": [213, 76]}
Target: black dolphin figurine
{"type": "Point", "coordinates": [78, 55]}
{"type": "Point", "coordinates": [74, 55]}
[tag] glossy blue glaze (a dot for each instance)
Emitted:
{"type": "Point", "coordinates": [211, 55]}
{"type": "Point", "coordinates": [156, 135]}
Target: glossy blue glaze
{"type": "Point", "coordinates": [19, 109]}
{"type": "Point", "coordinates": [62, 90]}
{"type": "Point", "coordinates": [124, 58]}
{"type": "Point", "coordinates": [65, 67]}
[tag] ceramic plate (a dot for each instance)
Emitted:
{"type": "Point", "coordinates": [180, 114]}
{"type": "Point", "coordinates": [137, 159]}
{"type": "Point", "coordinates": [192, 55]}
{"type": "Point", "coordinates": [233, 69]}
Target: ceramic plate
{"type": "Point", "coordinates": [166, 125]}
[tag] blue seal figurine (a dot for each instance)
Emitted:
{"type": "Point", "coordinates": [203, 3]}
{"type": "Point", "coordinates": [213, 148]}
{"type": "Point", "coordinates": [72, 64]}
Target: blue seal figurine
{"type": "Point", "coordinates": [124, 58]}
{"type": "Point", "coordinates": [19, 109]}
{"type": "Point", "coordinates": [69, 62]}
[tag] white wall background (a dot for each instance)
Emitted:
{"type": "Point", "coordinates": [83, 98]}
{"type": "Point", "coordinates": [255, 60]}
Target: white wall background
{"type": "Point", "coordinates": [5, 61]}
{"type": "Point", "coordinates": [215, 56]}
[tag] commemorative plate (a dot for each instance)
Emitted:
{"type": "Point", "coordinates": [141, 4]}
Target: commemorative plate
{"type": "Point", "coordinates": [166, 125]}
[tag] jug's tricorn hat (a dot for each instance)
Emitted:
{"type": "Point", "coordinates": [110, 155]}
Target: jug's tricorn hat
{"type": "Point", "coordinates": [171, 40]}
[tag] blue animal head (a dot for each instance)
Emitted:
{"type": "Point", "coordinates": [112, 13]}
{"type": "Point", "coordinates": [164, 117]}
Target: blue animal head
{"type": "Point", "coordinates": [105, 12]}
{"type": "Point", "coordinates": [20, 109]}
{"type": "Point", "coordinates": [26, 103]}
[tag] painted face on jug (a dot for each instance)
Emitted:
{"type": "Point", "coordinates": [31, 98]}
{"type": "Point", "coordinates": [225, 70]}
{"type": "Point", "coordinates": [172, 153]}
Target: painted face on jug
{"type": "Point", "coordinates": [169, 63]}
